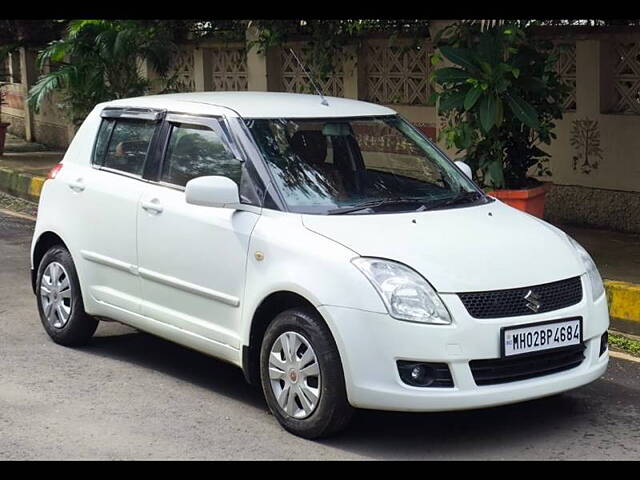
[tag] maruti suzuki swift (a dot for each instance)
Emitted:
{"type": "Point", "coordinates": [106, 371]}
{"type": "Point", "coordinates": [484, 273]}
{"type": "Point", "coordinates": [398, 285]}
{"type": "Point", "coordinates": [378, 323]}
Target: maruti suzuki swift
{"type": "Point", "coordinates": [324, 246]}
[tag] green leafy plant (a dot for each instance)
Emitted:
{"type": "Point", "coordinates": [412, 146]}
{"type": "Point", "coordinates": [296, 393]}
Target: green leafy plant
{"type": "Point", "coordinates": [99, 60]}
{"type": "Point", "coordinates": [625, 343]}
{"type": "Point", "coordinates": [499, 101]}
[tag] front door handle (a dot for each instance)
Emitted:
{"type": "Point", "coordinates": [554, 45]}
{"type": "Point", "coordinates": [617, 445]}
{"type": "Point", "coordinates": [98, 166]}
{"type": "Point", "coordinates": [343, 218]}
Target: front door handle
{"type": "Point", "coordinates": [77, 185]}
{"type": "Point", "coordinates": [153, 206]}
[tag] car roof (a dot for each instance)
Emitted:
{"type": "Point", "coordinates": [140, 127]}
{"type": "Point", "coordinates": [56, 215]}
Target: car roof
{"type": "Point", "coordinates": [257, 104]}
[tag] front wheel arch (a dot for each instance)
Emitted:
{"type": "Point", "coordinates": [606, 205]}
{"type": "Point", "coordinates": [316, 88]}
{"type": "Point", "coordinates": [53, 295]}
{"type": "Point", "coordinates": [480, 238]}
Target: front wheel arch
{"type": "Point", "coordinates": [268, 309]}
{"type": "Point", "coordinates": [310, 410]}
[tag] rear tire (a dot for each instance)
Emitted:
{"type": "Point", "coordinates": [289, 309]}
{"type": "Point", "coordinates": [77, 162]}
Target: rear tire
{"type": "Point", "coordinates": [310, 371]}
{"type": "Point", "coordinates": [59, 300]}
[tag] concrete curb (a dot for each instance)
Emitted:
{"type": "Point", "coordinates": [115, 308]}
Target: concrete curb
{"type": "Point", "coordinates": [21, 185]}
{"type": "Point", "coordinates": [624, 305]}
{"type": "Point", "coordinates": [623, 297]}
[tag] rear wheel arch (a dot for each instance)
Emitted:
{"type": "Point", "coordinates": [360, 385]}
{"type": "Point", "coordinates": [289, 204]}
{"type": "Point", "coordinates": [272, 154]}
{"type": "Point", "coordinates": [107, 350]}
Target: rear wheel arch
{"type": "Point", "coordinates": [46, 240]}
{"type": "Point", "coordinates": [60, 304]}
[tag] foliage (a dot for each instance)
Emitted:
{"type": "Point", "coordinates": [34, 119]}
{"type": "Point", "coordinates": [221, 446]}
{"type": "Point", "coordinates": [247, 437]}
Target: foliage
{"type": "Point", "coordinates": [99, 60]}
{"type": "Point", "coordinates": [499, 100]}
{"type": "Point", "coordinates": [226, 30]}
{"type": "Point", "coordinates": [625, 343]}
{"type": "Point", "coordinates": [591, 22]}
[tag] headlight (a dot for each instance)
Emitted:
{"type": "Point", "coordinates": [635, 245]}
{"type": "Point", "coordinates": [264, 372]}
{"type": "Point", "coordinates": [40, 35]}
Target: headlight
{"type": "Point", "coordinates": [404, 292]}
{"type": "Point", "coordinates": [597, 287]}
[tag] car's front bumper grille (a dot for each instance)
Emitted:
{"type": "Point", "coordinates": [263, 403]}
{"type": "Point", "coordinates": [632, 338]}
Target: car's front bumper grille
{"type": "Point", "coordinates": [521, 367]}
{"type": "Point", "coordinates": [518, 301]}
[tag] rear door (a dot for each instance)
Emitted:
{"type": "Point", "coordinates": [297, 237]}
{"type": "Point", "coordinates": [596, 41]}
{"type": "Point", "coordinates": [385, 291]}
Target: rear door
{"type": "Point", "coordinates": [107, 196]}
{"type": "Point", "coordinates": [192, 259]}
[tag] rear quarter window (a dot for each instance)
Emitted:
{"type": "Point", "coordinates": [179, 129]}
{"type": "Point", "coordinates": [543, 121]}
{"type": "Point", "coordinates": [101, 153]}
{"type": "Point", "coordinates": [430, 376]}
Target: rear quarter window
{"type": "Point", "coordinates": [102, 140]}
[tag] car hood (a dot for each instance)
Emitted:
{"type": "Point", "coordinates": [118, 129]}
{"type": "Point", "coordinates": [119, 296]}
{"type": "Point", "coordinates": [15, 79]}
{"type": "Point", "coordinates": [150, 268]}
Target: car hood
{"type": "Point", "coordinates": [477, 248]}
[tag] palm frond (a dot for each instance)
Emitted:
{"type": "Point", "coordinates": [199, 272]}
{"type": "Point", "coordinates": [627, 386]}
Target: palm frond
{"type": "Point", "coordinates": [161, 53]}
{"type": "Point", "coordinates": [56, 51]}
{"type": "Point", "coordinates": [102, 62]}
{"type": "Point", "coordinates": [46, 84]}
{"type": "Point", "coordinates": [104, 42]}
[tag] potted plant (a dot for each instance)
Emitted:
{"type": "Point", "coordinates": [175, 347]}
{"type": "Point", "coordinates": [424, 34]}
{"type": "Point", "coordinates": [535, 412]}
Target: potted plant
{"type": "Point", "coordinates": [3, 126]}
{"type": "Point", "coordinates": [498, 103]}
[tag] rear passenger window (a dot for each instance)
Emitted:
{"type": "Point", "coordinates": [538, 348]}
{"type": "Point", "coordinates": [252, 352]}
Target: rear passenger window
{"type": "Point", "coordinates": [196, 151]}
{"type": "Point", "coordinates": [127, 146]}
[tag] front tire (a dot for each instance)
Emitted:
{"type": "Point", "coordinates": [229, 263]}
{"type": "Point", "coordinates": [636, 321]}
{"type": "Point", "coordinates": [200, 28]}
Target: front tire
{"type": "Point", "coordinates": [60, 300]}
{"type": "Point", "coordinates": [302, 377]}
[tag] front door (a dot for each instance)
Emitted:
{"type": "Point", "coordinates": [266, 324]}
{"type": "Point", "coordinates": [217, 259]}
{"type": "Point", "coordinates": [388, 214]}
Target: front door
{"type": "Point", "coordinates": [192, 258]}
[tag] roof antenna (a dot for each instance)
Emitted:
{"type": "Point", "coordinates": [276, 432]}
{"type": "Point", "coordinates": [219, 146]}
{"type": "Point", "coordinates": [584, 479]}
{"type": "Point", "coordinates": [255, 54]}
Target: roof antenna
{"type": "Point", "coordinates": [324, 100]}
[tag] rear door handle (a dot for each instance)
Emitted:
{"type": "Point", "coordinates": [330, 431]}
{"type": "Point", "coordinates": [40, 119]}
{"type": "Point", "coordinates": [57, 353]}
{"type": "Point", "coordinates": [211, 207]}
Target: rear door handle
{"type": "Point", "coordinates": [77, 185]}
{"type": "Point", "coordinates": [153, 206]}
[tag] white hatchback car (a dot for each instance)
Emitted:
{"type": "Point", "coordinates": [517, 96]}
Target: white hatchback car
{"type": "Point", "coordinates": [332, 252]}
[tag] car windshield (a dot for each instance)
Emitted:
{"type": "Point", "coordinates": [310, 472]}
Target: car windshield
{"type": "Point", "coordinates": [359, 165]}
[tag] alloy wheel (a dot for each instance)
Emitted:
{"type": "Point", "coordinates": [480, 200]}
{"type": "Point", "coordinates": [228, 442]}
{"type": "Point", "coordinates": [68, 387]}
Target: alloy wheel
{"type": "Point", "coordinates": [55, 295]}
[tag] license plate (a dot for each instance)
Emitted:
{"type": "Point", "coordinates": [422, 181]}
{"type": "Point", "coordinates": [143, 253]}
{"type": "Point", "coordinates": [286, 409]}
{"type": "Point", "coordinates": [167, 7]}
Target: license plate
{"type": "Point", "coordinates": [541, 336]}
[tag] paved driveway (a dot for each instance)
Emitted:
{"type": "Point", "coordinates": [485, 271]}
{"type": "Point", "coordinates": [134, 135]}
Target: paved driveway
{"type": "Point", "coordinates": [129, 395]}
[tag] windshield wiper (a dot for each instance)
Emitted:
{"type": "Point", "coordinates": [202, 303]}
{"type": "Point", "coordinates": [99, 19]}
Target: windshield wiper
{"type": "Point", "coordinates": [373, 204]}
{"type": "Point", "coordinates": [460, 198]}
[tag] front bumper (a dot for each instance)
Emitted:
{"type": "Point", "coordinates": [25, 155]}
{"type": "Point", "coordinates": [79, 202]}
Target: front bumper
{"type": "Point", "coordinates": [371, 343]}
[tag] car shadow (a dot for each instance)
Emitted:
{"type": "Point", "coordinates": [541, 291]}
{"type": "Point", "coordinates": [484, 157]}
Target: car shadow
{"type": "Point", "coordinates": [154, 353]}
{"type": "Point", "coordinates": [371, 433]}
{"type": "Point", "coordinates": [461, 434]}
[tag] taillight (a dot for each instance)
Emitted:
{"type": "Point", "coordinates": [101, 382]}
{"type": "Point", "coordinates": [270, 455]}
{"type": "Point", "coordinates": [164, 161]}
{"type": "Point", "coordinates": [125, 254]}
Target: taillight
{"type": "Point", "coordinates": [54, 171]}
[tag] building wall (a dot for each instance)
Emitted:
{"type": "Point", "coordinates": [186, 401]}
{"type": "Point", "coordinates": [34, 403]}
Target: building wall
{"type": "Point", "coordinates": [594, 161]}
{"type": "Point", "coordinates": [13, 110]}
{"type": "Point", "coordinates": [597, 151]}
{"type": "Point", "coordinates": [49, 125]}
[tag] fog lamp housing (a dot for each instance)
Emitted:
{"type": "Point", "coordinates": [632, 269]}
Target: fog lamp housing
{"type": "Point", "coordinates": [604, 342]}
{"type": "Point", "coordinates": [425, 374]}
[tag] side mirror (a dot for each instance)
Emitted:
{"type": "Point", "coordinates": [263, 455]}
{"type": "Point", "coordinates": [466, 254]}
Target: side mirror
{"type": "Point", "coordinates": [465, 168]}
{"type": "Point", "coordinates": [212, 191]}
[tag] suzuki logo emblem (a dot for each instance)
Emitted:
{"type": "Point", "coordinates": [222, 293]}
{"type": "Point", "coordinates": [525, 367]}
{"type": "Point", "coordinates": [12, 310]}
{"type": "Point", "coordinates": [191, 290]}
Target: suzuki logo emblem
{"type": "Point", "coordinates": [533, 301]}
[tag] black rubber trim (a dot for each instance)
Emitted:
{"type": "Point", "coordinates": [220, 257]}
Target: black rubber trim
{"type": "Point", "coordinates": [133, 113]}
{"type": "Point", "coordinates": [522, 367]}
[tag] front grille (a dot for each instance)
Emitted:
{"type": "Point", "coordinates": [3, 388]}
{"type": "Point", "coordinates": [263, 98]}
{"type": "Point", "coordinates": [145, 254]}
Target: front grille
{"type": "Point", "coordinates": [512, 302]}
{"type": "Point", "coordinates": [521, 367]}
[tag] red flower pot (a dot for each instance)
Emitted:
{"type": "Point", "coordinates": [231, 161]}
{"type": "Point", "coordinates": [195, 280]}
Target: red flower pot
{"type": "Point", "coordinates": [530, 200]}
